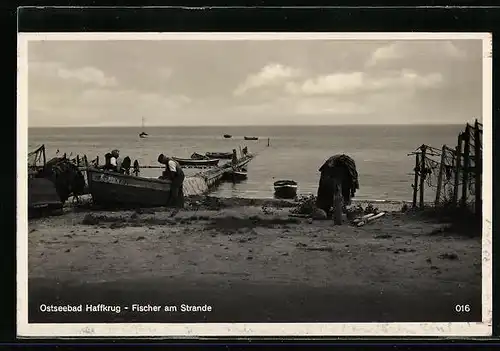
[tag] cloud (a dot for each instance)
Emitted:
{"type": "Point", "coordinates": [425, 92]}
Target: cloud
{"type": "Point", "coordinates": [105, 106]}
{"type": "Point", "coordinates": [412, 49]}
{"type": "Point", "coordinates": [360, 82]}
{"type": "Point", "coordinates": [305, 106]}
{"type": "Point", "coordinates": [269, 75]}
{"type": "Point", "coordinates": [87, 74]}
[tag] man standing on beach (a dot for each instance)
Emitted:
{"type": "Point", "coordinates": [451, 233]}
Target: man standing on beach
{"type": "Point", "coordinates": [175, 174]}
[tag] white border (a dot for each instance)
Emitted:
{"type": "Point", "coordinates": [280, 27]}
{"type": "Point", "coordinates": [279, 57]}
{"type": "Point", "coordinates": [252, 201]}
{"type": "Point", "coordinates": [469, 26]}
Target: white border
{"type": "Point", "coordinates": [25, 329]}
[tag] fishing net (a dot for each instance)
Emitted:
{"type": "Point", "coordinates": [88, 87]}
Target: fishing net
{"type": "Point", "coordinates": [35, 158]}
{"type": "Point", "coordinates": [345, 162]}
{"type": "Point", "coordinates": [445, 182]}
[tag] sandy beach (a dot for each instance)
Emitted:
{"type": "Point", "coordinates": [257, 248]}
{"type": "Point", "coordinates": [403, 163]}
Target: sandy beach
{"type": "Point", "coordinates": [251, 262]}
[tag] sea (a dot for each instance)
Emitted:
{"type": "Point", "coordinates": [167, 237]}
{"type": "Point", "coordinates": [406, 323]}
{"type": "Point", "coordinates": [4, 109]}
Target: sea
{"type": "Point", "coordinates": [294, 152]}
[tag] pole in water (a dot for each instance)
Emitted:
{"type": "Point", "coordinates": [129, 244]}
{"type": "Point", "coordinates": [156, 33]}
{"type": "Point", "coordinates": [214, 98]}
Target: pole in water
{"type": "Point", "coordinates": [268, 140]}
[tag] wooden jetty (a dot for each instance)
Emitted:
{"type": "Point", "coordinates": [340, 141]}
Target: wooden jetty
{"type": "Point", "coordinates": [111, 189]}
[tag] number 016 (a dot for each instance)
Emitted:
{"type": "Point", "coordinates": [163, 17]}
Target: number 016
{"type": "Point", "coordinates": [462, 308]}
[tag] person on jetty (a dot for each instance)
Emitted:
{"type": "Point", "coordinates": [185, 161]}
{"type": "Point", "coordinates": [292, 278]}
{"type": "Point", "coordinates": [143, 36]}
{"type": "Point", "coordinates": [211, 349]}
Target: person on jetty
{"type": "Point", "coordinates": [173, 171]}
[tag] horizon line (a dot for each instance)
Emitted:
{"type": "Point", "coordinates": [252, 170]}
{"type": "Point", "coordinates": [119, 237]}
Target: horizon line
{"type": "Point", "coordinates": [259, 125]}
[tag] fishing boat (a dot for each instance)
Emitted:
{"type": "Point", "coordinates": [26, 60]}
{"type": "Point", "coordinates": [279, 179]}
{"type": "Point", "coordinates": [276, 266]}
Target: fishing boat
{"type": "Point", "coordinates": [251, 138]}
{"type": "Point", "coordinates": [228, 136]}
{"type": "Point", "coordinates": [143, 134]}
{"type": "Point", "coordinates": [110, 189]}
{"type": "Point", "coordinates": [197, 156]}
{"type": "Point", "coordinates": [285, 189]}
{"type": "Point", "coordinates": [235, 175]}
{"type": "Point", "coordinates": [220, 155]}
{"type": "Point", "coordinates": [192, 162]}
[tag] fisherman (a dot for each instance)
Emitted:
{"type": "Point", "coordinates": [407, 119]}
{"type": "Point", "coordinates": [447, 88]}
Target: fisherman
{"type": "Point", "coordinates": [115, 160]}
{"type": "Point", "coordinates": [175, 174]}
{"type": "Point", "coordinates": [125, 165]}
{"type": "Point", "coordinates": [107, 162]}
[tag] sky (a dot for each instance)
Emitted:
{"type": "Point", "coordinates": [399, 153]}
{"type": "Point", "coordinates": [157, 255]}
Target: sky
{"type": "Point", "coordinates": [251, 82]}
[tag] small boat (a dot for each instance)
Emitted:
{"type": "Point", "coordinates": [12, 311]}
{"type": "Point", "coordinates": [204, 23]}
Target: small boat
{"type": "Point", "coordinates": [228, 136]}
{"type": "Point", "coordinates": [251, 138]}
{"type": "Point", "coordinates": [285, 189]}
{"type": "Point", "coordinates": [220, 155]}
{"type": "Point", "coordinates": [110, 189]}
{"type": "Point", "coordinates": [197, 156]}
{"type": "Point", "coordinates": [143, 134]}
{"type": "Point", "coordinates": [235, 175]}
{"type": "Point", "coordinates": [192, 162]}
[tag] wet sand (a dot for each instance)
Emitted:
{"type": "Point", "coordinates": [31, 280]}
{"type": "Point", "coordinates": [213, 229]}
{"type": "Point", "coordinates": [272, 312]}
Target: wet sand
{"type": "Point", "coordinates": [251, 262]}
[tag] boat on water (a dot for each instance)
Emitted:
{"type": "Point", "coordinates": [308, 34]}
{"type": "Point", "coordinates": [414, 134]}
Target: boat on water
{"type": "Point", "coordinates": [143, 134]}
{"type": "Point", "coordinates": [194, 162]}
{"type": "Point", "coordinates": [220, 155]}
{"type": "Point", "coordinates": [235, 175]}
{"type": "Point", "coordinates": [110, 189]}
{"type": "Point", "coordinates": [251, 138]}
{"type": "Point", "coordinates": [228, 136]}
{"type": "Point", "coordinates": [285, 189]}
{"type": "Point", "coordinates": [197, 156]}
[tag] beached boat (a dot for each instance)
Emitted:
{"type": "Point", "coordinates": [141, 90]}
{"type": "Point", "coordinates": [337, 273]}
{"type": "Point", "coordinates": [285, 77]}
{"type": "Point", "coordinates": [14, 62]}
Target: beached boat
{"type": "Point", "coordinates": [116, 190]}
{"type": "Point", "coordinates": [43, 198]}
{"type": "Point", "coordinates": [228, 136]}
{"type": "Point", "coordinates": [285, 189]}
{"type": "Point", "coordinates": [197, 156]}
{"type": "Point", "coordinates": [251, 138]}
{"type": "Point", "coordinates": [191, 162]}
{"type": "Point", "coordinates": [220, 155]}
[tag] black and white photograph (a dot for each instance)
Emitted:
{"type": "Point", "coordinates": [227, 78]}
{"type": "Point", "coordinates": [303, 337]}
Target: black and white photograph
{"type": "Point", "coordinates": [254, 184]}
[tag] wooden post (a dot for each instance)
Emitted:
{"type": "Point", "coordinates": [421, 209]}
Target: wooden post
{"type": "Point", "coordinates": [97, 160]}
{"type": "Point", "coordinates": [423, 148]}
{"type": "Point", "coordinates": [440, 175]}
{"type": "Point", "coordinates": [268, 141]}
{"type": "Point", "coordinates": [465, 180]}
{"type": "Point", "coordinates": [415, 181]}
{"type": "Point", "coordinates": [478, 160]}
{"type": "Point", "coordinates": [458, 161]}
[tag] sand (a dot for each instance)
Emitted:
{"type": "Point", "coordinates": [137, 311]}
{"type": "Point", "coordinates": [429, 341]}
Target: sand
{"type": "Point", "coordinates": [251, 261]}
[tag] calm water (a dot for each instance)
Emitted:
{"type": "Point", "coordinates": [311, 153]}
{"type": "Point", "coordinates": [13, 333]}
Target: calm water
{"type": "Point", "coordinates": [295, 153]}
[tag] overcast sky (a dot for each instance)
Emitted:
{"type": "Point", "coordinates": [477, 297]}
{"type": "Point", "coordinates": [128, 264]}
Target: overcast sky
{"type": "Point", "coordinates": [282, 82]}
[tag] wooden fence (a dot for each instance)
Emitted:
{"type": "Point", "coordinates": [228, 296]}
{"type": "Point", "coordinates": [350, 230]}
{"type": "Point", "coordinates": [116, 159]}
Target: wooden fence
{"type": "Point", "coordinates": [455, 174]}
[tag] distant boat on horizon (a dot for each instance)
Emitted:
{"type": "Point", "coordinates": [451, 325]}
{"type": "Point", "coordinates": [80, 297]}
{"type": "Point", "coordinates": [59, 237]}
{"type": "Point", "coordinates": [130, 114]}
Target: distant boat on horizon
{"type": "Point", "coordinates": [251, 138]}
{"type": "Point", "coordinates": [227, 136]}
{"type": "Point", "coordinates": [143, 134]}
